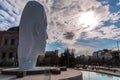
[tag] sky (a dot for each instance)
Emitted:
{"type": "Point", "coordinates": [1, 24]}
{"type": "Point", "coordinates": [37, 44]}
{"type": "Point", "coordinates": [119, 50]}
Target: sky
{"type": "Point", "coordinates": [83, 25]}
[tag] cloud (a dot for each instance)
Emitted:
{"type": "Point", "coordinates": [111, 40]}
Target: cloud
{"type": "Point", "coordinates": [6, 16]}
{"type": "Point", "coordinates": [110, 32]}
{"type": "Point", "coordinates": [81, 49]}
{"type": "Point", "coordinates": [69, 35]}
{"type": "Point", "coordinates": [118, 4]}
{"type": "Point", "coordinates": [9, 12]}
{"type": "Point", "coordinates": [104, 32]}
{"type": "Point", "coordinates": [63, 17]}
{"type": "Point", "coordinates": [115, 17]}
{"type": "Point", "coordinates": [4, 25]}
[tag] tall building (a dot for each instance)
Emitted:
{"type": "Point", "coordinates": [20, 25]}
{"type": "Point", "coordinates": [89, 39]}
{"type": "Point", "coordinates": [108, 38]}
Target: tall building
{"type": "Point", "coordinates": [8, 46]}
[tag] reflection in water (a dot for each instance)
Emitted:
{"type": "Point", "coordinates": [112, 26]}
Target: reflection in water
{"type": "Point", "coordinates": [98, 76]}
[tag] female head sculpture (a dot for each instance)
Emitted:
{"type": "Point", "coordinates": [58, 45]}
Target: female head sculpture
{"type": "Point", "coordinates": [32, 35]}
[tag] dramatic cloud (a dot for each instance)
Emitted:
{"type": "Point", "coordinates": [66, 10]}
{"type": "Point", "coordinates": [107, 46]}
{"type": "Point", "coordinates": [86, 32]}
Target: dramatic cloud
{"type": "Point", "coordinates": [69, 35]}
{"type": "Point", "coordinates": [111, 32]}
{"type": "Point", "coordinates": [107, 32]}
{"type": "Point", "coordinates": [115, 17]}
{"type": "Point", "coordinates": [68, 20]}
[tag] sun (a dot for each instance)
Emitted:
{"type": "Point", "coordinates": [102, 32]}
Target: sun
{"type": "Point", "coordinates": [88, 19]}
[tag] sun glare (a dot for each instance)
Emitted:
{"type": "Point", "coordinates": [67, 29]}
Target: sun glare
{"type": "Point", "coordinates": [88, 19]}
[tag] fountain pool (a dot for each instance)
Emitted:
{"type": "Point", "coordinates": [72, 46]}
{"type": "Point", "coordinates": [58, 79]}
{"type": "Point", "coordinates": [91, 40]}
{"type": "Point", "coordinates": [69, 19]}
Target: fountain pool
{"type": "Point", "coordinates": [98, 76]}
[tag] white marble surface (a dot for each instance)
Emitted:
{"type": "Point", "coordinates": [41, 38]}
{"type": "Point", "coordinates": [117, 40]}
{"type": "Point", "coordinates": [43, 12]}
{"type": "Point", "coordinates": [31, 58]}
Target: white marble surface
{"type": "Point", "coordinates": [32, 35]}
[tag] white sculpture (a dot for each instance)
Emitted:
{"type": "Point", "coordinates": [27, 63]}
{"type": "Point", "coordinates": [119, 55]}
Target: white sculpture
{"type": "Point", "coordinates": [32, 35]}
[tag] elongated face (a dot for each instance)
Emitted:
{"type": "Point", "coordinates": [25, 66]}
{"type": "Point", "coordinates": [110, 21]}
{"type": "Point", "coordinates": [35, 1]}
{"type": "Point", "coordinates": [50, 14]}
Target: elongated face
{"type": "Point", "coordinates": [32, 35]}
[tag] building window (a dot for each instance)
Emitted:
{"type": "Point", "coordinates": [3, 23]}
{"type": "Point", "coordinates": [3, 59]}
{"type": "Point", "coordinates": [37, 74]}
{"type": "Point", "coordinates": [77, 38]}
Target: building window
{"type": "Point", "coordinates": [3, 55]}
{"type": "Point", "coordinates": [12, 41]}
{"type": "Point", "coordinates": [5, 41]}
{"type": "Point", "coordinates": [10, 55]}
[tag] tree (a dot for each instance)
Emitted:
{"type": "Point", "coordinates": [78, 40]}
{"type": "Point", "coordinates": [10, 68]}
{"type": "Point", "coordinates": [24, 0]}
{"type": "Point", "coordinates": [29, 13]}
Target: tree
{"type": "Point", "coordinates": [72, 59]}
{"type": "Point", "coordinates": [67, 58]}
{"type": "Point", "coordinates": [64, 59]}
{"type": "Point", "coordinates": [61, 61]}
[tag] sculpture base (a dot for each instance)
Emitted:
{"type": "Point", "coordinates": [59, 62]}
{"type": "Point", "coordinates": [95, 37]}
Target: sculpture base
{"type": "Point", "coordinates": [70, 74]}
{"type": "Point", "coordinates": [16, 71]}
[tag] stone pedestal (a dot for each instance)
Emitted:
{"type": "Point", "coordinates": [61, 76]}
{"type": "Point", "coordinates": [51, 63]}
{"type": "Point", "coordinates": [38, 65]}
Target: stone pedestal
{"type": "Point", "coordinates": [22, 73]}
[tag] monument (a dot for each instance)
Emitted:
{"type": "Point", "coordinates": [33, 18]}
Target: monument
{"type": "Point", "coordinates": [32, 35]}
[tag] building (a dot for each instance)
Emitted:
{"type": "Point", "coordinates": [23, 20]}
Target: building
{"type": "Point", "coordinates": [8, 46]}
{"type": "Point", "coordinates": [106, 54]}
{"type": "Point", "coordinates": [116, 54]}
{"type": "Point", "coordinates": [51, 57]}
{"type": "Point", "coordinates": [98, 54]}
